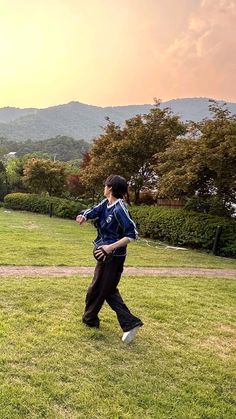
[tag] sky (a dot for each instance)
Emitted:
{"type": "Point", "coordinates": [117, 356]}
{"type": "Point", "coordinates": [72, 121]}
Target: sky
{"type": "Point", "coordinates": [116, 52]}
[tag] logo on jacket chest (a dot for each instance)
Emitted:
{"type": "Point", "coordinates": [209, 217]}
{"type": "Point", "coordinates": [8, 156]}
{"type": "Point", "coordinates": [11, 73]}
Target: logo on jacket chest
{"type": "Point", "coordinates": [109, 219]}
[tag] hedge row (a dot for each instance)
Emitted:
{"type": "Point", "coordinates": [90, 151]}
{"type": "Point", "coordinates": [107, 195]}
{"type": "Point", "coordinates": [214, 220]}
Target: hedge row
{"type": "Point", "coordinates": [175, 226]}
{"type": "Point", "coordinates": [186, 228]}
{"type": "Point", "coordinates": [64, 208]}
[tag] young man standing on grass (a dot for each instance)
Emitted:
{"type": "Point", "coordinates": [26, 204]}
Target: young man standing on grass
{"type": "Point", "coordinates": [115, 230]}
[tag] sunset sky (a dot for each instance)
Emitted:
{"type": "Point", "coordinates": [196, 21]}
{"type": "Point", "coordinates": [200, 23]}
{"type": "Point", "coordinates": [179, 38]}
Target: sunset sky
{"type": "Point", "coordinates": [116, 52]}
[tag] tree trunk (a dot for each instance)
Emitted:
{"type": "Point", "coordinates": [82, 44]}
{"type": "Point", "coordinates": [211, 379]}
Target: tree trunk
{"type": "Point", "coordinates": [136, 196]}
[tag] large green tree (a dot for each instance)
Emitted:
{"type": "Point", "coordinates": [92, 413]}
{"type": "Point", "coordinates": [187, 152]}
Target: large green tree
{"type": "Point", "coordinates": [14, 170]}
{"type": "Point", "coordinates": [204, 164]}
{"type": "Point", "coordinates": [129, 150]}
{"type": "Point", "coordinates": [45, 176]}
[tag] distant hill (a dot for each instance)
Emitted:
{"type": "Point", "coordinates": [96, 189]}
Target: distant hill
{"type": "Point", "coordinates": [81, 121]}
{"type": "Point", "coordinates": [61, 147]}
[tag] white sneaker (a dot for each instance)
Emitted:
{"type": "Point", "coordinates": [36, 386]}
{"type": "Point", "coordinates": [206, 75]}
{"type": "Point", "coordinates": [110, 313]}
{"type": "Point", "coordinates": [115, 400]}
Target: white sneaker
{"type": "Point", "coordinates": [130, 335]}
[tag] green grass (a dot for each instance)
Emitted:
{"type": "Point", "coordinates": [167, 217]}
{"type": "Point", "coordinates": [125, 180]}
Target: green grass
{"type": "Point", "coordinates": [181, 364]}
{"type": "Point", "coordinates": [34, 239]}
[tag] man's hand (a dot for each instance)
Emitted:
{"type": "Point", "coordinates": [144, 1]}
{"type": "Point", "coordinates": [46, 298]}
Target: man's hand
{"type": "Point", "coordinates": [103, 253]}
{"type": "Point", "coordinates": [107, 247]}
{"type": "Point", "coordinates": [80, 219]}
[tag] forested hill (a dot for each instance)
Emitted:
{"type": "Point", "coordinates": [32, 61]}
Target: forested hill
{"type": "Point", "coordinates": [81, 121]}
{"type": "Point", "coordinates": [61, 148]}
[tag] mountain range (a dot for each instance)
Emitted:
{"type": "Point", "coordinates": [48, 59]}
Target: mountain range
{"type": "Point", "coordinates": [82, 121]}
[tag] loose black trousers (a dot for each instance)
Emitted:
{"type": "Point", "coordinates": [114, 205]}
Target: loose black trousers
{"type": "Point", "coordinates": [104, 288]}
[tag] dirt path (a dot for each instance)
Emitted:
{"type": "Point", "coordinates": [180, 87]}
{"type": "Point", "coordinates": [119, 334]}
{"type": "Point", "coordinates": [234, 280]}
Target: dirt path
{"type": "Point", "coordinates": [18, 271]}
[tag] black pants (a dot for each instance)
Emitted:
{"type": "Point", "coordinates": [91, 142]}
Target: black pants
{"type": "Point", "coordinates": [104, 287]}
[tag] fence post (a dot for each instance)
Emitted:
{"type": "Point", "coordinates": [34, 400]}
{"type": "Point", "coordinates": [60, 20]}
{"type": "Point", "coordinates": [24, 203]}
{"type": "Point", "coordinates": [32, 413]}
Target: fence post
{"type": "Point", "coordinates": [50, 210]}
{"type": "Point", "coordinates": [216, 239]}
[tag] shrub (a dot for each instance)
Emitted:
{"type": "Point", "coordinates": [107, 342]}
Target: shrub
{"type": "Point", "coordinates": [40, 203]}
{"type": "Point", "coordinates": [211, 205]}
{"type": "Point", "coordinates": [186, 228]}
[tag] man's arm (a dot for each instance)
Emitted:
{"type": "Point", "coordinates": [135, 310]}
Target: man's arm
{"type": "Point", "coordinates": [90, 213]}
{"type": "Point", "coordinates": [120, 243]}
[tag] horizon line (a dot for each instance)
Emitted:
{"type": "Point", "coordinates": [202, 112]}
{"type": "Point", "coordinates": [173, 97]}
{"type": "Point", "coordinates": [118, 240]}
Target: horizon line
{"type": "Point", "coordinates": [117, 106]}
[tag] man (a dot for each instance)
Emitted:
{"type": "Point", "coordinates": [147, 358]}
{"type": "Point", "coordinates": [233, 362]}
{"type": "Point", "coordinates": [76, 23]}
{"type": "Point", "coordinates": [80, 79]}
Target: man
{"type": "Point", "coordinates": [115, 230]}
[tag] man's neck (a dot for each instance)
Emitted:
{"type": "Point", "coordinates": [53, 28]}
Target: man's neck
{"type": "Point", "coordinates": [112, 199]}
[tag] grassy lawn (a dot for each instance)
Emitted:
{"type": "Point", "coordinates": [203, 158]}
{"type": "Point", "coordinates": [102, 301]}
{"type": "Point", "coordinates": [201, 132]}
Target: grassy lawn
{"type": "Point", "coordinates": [181, 365]}
{"type": "Point", "coordinates": [34, 239]}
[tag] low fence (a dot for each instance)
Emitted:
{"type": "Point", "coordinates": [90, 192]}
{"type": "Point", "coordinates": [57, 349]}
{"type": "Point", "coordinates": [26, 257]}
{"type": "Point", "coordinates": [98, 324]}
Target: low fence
{"type": "Point", "coordinates": [171, 203]}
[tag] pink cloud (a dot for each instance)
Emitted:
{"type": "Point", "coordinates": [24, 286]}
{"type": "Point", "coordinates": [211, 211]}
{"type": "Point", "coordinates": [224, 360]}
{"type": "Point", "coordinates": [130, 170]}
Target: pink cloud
{"type": "Point", "coordinates": [202, 61]}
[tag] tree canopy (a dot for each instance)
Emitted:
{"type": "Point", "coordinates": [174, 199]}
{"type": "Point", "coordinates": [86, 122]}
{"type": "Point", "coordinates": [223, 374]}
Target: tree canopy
{"type": "Point", "coordinates": [45, 176]}
{"type": "Point", "coordinates": [204, 164]}
{"type": "Point", "coordinates": [60, 148]}
{"type": "Point", "coordinates": [129, 150]}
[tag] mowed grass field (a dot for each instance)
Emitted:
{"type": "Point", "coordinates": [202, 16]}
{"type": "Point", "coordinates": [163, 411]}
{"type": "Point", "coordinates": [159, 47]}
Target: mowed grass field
{"type": "Point", "coordinates": [34, 239]}
{"type": "Point", "coordinates": [181, 364]}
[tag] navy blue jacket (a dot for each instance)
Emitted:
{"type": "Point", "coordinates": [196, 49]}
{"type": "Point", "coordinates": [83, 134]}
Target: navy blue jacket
{"type": "Point", "coordinates": [113, 222]}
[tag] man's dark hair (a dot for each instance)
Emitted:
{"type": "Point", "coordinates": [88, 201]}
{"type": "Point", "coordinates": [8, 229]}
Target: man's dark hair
{"type": "Point", "coordinates": [118, 184]}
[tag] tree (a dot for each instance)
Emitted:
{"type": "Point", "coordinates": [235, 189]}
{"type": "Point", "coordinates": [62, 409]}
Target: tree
{"type": "Point", "coordinates": [218, 152]}
{"type": "Point", "coordinates": [100, 162]}
{"type": "Point", "coordinates": [3, 181]}
{"type": "Point", "coordinates": [129, 150]}
{"type": "Point", "coordinates": [74, 185]}
{"type": "Point", "coordinates": [45, 176]}
{"type": "Point", "coordinates": [14, 170]}
{"type": "Point", "coordinates": [204, 164]}
{"type": "Point", "coordinates": [177, 169]}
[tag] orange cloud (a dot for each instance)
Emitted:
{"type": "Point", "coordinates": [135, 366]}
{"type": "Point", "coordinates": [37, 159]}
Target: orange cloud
{"type": "Point", "coordinates": [202, 60]}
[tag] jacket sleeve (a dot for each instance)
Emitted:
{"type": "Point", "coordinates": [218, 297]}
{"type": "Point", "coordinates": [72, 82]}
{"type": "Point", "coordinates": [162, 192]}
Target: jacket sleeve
{"type": "Point", "coordinates": [125, 221]}
{"type": "Point", "coordinates": [93, 212]}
